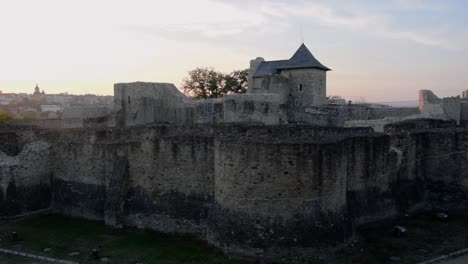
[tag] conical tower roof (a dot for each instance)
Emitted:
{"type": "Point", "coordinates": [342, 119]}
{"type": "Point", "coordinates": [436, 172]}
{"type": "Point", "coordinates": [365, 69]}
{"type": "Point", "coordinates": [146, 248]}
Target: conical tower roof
{"type": "Point", "coordinates": [303, 58]}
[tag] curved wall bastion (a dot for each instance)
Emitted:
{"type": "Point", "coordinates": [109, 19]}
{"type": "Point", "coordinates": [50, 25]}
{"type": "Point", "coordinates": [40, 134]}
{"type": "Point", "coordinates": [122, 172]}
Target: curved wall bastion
{"type": "Point", "coordinates": [282, 193]}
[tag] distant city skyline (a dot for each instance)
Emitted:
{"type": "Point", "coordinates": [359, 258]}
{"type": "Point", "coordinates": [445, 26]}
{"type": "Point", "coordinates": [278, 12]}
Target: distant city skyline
{"type": "Point", "coordinates": [381, 51]}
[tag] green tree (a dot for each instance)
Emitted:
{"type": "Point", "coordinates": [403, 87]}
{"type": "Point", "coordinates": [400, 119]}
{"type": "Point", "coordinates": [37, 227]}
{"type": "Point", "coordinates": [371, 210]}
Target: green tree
{"type": "Point", "coordinates": [4, 117]}
{"type": "Point", "coordinates": [204, 83]}
{"type": "Point", "coordinates": [236, 82]}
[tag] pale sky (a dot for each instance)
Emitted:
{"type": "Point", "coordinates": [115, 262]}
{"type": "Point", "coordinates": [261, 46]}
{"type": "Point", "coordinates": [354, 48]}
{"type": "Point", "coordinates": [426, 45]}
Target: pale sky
{"type": "Point", "coordinates": [377, 50]}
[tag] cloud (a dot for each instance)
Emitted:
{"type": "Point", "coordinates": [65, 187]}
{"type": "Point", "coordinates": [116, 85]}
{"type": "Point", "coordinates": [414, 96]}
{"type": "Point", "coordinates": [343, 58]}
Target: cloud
{"type": "Point", "coordinates": [207, 18]}
{"type": "Point", "coordinates": [417, 5]}
{"type": "Point", "coordinates": [212, 20]}
{"type": "Point", "coordinates": [323, 14]}
{"type": "Point", "coordinates": [417, 38]}
{"type": "Point", "coordinates": [367, 21]}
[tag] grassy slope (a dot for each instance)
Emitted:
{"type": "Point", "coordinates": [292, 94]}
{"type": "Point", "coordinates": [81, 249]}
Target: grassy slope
{"type": "Point", "coordinates": [64, 235]}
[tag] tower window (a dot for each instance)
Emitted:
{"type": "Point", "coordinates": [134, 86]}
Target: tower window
{"type": "Point", "coordinates": [129, 100]}
{"type": "Point", "coordinates": [300, 87]}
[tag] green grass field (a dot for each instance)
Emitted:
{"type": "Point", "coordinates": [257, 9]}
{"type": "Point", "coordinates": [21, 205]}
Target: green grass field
{"type": "Point", "coordinates": [65, 235]}
{"type": "Point", "coordinates": [426, 237]}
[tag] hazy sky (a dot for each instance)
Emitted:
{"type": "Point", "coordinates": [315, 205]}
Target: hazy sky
{"type": "Point", "coordinates": [378, 50]}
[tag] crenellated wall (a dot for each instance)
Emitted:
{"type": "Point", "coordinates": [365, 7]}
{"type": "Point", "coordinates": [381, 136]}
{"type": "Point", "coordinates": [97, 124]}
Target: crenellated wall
{"type": "Point", "coordinates": [271, 192]}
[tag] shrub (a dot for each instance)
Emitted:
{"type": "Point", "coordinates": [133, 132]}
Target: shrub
{"type": "Point", "coordinates": [4, 117]}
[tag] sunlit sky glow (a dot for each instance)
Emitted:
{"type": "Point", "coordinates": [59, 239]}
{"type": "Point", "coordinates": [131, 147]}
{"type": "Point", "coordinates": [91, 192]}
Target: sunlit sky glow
{"type": "Point", "coordinates": [378, 50]}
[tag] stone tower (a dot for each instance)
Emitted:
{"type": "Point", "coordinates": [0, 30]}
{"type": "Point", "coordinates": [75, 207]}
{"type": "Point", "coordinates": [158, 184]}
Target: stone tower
{"type": "Point", "coordinates": [302, 79]}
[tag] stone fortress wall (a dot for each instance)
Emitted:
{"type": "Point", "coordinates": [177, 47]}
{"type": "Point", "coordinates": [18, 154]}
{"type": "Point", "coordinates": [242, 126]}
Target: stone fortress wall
{"type": "Point", "coordinates": [445, 108]}
{"type": "Point", "coordinates": [273, 192]}
{"type": "Point", "coordinates": [78, 116]}
{"type": "Point", "coordinates": [261, 108]}
{"type": "Point", "coordinates": [142, 103]}
{"type": "Point", "coordinates": [430, 106]}
{"type": "Point", "coordinates": [25, 173]}
{"type": "Point", "coordinates": [272, 174]}
{"type": "Point", "coordinates": [147, 103]}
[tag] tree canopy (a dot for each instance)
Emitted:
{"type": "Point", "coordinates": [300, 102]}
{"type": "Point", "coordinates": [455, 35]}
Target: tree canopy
{"type": "Point", "coordinates": [204, 83]}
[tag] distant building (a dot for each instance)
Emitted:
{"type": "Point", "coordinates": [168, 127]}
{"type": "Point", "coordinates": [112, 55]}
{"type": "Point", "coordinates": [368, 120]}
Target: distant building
{"type": "Point", "coordinates": [465, 94]}
{"type": "Point", "coordinates": [51, 108]}
{"type": "Point", "coordinates": [36, 90]}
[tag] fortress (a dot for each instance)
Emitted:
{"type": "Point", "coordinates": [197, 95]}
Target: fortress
{"type": "Point", "coordinates": [272, 174]}
{"type": "Point", "coordinates": [279, 92]}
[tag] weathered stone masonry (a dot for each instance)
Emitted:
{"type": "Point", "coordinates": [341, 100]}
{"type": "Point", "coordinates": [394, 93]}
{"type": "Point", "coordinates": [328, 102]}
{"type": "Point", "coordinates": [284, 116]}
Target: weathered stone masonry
{"type": "Point", "coordinates": [25, 177]}
{"type": "Point", "coordinates": [275, 192]}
